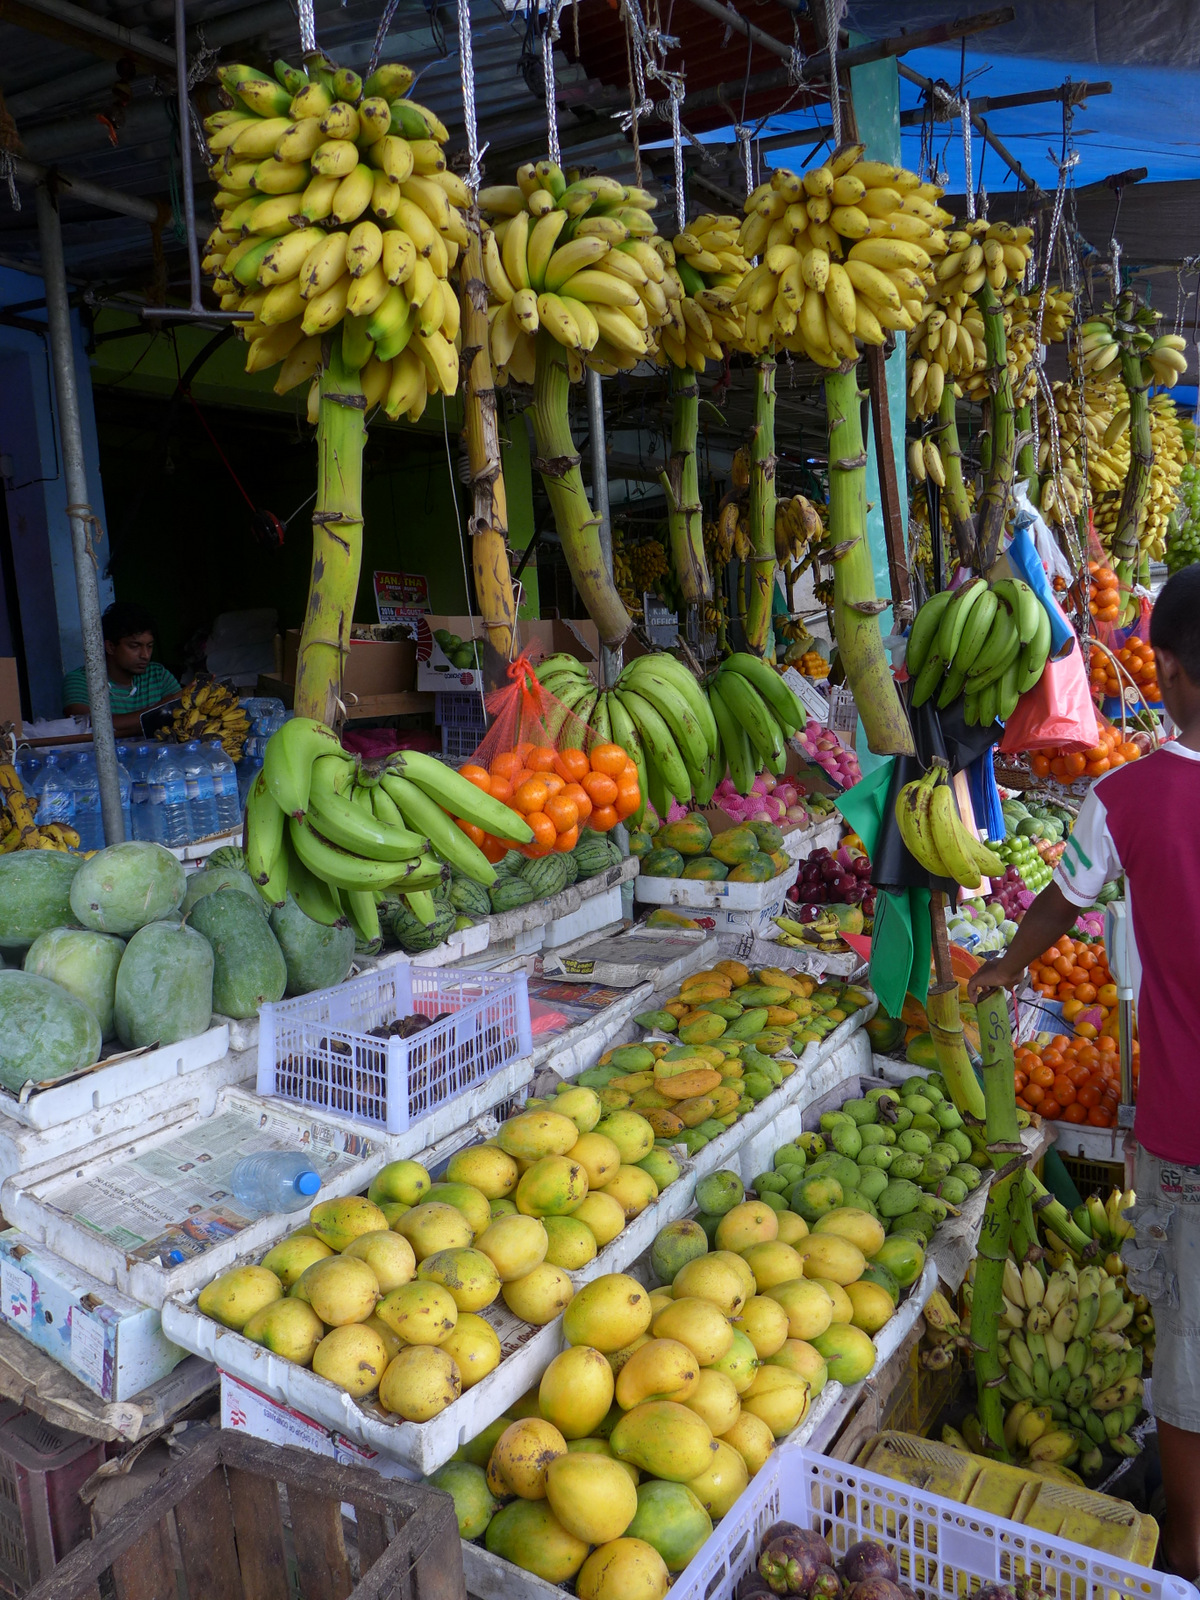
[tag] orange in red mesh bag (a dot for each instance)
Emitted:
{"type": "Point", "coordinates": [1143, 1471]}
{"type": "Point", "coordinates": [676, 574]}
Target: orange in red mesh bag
{"type": "Point", "coordinates": [549, 765]}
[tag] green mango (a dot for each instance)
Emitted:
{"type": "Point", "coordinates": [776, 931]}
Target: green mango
{"type": "Point", "coordinates": [775, 1182]}
{"type": "Point", "coordinates": [937, 1209]}
{"type": "Point", "coordinates": [947, 1116]}
{"type": "Point", "coordinates": [876, 1157]}
{"type": "Point", "coordinates": [970, 1175]}
{"type": "Point", "coordinates": [872, 1181]}
{"type": "Point", "coordinates": [777, 1202]}
{"type": "Point", "coordinates": [862, 1111]}
{"type": "Point", "coordinates": [902, 1119]}
{"type": "Point", "coordinates": [906, 1165]}
{"type": "Point", "coordinates": [757, 1085]}
{"type": "Point", "coordinates": [953, 1190]}
{"type": "Point", "coordinates": [657, 1021]}
{"type": "Point", "coordinates": [872, 1133]}
{"type": "Point", "coordinates": [847, 1140]}
{"type": "Point", "coordinates": [729, 1009]}
{"type": "Point", "coordinates": [750, 1022]}
{"type": "Point", "coordinates": [914, 1143]}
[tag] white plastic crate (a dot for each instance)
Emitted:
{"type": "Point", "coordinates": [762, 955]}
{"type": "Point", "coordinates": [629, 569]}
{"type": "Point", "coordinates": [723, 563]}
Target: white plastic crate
{"type": "Point", "coordinates": [317, 1050]}
{"type": "Point", "coordinates": [823, 835]}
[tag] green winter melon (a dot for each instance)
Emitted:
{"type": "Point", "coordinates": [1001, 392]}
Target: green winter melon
{"type": "Point", "coordinates": [248, 965]}
{"type": "Point", "coordinates": [316, 957]}
{"type": "Point", "coordinates": [84, 964]}
{"type": "Point", "coordinates": [35, 895]}
{"type": "Point", "coordinates": [663, 863]}
{"type": "Point", "coordinates": [707, 868]}
{"type": "Point", "coordinates": [164, 985]}
{"type": "Point", "coordinates": [123, 888]}
{"type": "Point", "coordinates": [210, 878]}
{"type": "Point", "coordinates": [44, 1031]}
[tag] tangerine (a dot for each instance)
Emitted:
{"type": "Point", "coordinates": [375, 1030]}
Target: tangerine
{"type": "Point", "coordinates": [572, 765]}
{"type": "Point", "coordinates": [542, 758]}
{"type": "Point", "coordinates": [603, 818]}
{"type": "Point", "coordinates": [544, 831]}
{"type": "Point", "coordinates": [479, 776]}
{"type": "Point", "coordinates": [609, 759]}
{"type": "Point", "coordinates": [531, 796]}
{"type": "Point", "coordinates": [563, 813]}
{"type": "Point", "coordinates": [583, 802]}
{"type": "Point", "coordinates": [567, 841]}
{"type": "Point", "coordinates": [601, 789]}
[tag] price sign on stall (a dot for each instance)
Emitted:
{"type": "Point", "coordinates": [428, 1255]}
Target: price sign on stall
{"type": "Point", "coordinates": [661, 624]}
{"type": "Point", "coordinates": [401, 596]}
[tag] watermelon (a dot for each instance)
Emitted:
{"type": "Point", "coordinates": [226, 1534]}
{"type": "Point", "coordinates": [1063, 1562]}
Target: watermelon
{"type": "Point", "coordinates": [663, 863]}
{"type": "Point", "coordinates": [35, 895]}
{"type": "Point", "coordinates": [44, 1031]}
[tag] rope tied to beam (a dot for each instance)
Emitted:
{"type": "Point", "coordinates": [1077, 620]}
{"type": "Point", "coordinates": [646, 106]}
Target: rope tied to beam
{"type": "Point", "coordinates": [466, 62]}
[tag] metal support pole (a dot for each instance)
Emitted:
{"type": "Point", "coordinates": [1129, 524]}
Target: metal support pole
{"type": "Point", "coordinates": [611, 661]}
{"type": "Point", "coordinates": [95, 665]}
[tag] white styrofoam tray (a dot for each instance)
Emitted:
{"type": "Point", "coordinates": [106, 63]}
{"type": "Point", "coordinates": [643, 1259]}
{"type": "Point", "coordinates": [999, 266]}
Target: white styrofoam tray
{"type": "Point", "coordinates": [601, 911]}
{"type": "Point", "coordinates": [722, 896]}
{"type": "Point", "coordinates": [117, 1078]}
{"type": "Point", "coordinates": [39, 1202]}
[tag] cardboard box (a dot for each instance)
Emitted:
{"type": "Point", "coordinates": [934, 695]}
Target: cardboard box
{"type": "Point", "coordinates": [10, 693]}
{"type": "Point", "coordinates": [374, 667]}
{"type": "Point", "coordinates": [544, 638]}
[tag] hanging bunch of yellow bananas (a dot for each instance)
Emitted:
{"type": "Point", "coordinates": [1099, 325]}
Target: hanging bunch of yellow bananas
{"type": "Point", "coordinates": [623, 575]}
{"type": "Point", "coordinates": [847, 253]}
{"type": "Point", "coordinates": [798, 528]}
{"type": "Point", "coordinates": [209, 710]}
{"type": "Point", "coordinates": [947, 348]}
{"type": "Point", "coordinates": [1021, 317]}
{"type": "Point", "coordinates": [1170, 458]}
{"type": "Point", "coordinates": [709, 266]}
{"type": "Point", "coordinates": [335, 208]}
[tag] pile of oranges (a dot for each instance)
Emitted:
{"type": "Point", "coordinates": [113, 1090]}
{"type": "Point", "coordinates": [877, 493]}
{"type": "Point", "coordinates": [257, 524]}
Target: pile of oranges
{"type": "Point", "coordinates": [1075, 971]}
{"type": "Point", "coordinates": [1137, 657]}
{"type": "Point", "coordinates": [558, 792]}
{"type": "Point", "coordinates": [1072, 1080]}
{"type": "Point", "coordinates": [1104, 593]}
{"type": "Point", "coordinates": [1112, 750]}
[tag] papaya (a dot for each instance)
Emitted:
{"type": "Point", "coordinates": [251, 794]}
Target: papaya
{"type": "Point", "coordinates": [84, 963]}
{"type": "Point", "coordinates": [45, 1032]}
{"type": "Point", "coordinates": [663, 917]}
{"type": "Point", "coordinates": [248, 965]}
{"type": "Point", "coordinates": [921, 1053]}
{"type": "Point", "coordinates": [316, 956]}
{"type": "Point", "coordinates": [848, 918]}
{"type": "Point", "coordinates": [756, 869]}
{"type": "Point", "coordinates": [127, 886]}
{"type": "Point", "coordinates": [734, 845]}
{"type": "Point", "coordinates": [663, 862]}
{"type": "Point", "coordinates": [640, 843]}
{"type": "Point", "coordinates": [35, 895]}
{"type": "Point", "coordinates": [781, 859]}
{"type": "Point", "coordinates": [884, 1032]}
{"type": "Point", "coordinates": [769, 836]}
{"type": "Point", "coordinates": [164, 985]}
{"type": "Point", "coordinates": [690, 837]}
{"type": "Point", "coordinates": [707, 868]}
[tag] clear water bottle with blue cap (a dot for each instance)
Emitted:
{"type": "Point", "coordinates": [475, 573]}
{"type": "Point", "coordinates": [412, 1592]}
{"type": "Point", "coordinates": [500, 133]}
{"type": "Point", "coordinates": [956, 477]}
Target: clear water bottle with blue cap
{"type": "Point", "coordinates": [85, 780]}
{"type": "Point", "coordinates": [168, 799]}
{"type": "Point", "coordinates": [225, 785]}
{"type": "Point", "coordinates": [274, 1180]}
{"type": "Point", "coordinates": [202, 805]}
{"type": "Point", "coordinates": [55, 793]}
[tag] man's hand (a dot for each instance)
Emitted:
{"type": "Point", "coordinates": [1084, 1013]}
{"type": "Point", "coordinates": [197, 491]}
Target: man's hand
{"type": "Point", "coordinates": [1002, 973]}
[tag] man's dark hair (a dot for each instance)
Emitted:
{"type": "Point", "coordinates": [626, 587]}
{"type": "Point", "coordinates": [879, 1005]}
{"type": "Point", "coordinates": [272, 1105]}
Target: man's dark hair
{"type": "Point", "coordinates": [1175, 620]}
{"type": "Point", "coordinates": [123, 619]}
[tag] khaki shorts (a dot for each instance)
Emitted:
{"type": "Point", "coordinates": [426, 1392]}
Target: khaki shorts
{"type": "Point", "coordinates": [1163, 1263]}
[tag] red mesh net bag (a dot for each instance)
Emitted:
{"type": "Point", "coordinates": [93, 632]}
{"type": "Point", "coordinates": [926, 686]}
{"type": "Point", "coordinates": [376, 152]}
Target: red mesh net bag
{"type": "Point", "coordinates": [542, 757]}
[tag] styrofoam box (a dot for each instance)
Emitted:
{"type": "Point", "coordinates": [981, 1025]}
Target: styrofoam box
{"type": "Point", "coordinates": [110, 1343]}
{"type": "Point", "coordinates": [801, 842]}
{"type": "Point", "coordinates": [245, 1410]}
{"type": "Point", "coordinates": [601, 911]}
{"type": "Point", "coordinates": [708, 894]}
{"type": "Point", "coordinates": [48, 1203]}
{"type": "Point", "coordinates": [118, 1079]}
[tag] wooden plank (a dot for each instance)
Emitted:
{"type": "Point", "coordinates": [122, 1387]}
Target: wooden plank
{"type": "Point", "coordinates": [437, 1569]}
{"type": "Point", "coordinates": [258, 1529]}
{"type": "Point", "coordinates": [372, 1538]}
{"type": "Point", "coordinates": [889, 486]}
{"type": "Point", "coordinates": [146, 1570]}
{"type": "Point", "coordinates": [320, 1546]}
{"type": "Point", "coordinates": [204, 1519]}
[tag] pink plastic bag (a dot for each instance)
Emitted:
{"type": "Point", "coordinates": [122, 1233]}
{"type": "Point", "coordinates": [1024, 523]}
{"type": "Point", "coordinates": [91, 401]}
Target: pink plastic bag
{"type": "Point", "coordinates": [1057, 712]}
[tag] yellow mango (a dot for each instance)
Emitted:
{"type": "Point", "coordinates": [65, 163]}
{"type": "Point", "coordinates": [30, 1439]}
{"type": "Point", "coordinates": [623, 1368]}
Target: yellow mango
{"type": "Point", "coordinates": [632, 1189]}
{"type": "Point", "coordinates": [418, 1313]}
{"type": "Point", "coordinates": [664, 1124]}
{"type": "Point", "coordinates": [534, 1134]}
{"type": "Point", "coordinates": [751, 1223]}
{"type": "Point", "coordinates": [234, 1297]}
{"type": "Point", "coordinates": [553, 1187]}
{"type": "Point", "coordinates": [872, 1306]}
{"type": "Point", "coordinates": [576, 1391]}
{"type": "Point", "coordinates": [716, 1400]}
{"type": "Point", "coordinates": [699, 1324]}
{"type": "Point", "coordinates": [434, 1226]}
{"type": "Point", "coordinates": [664, 1439]}
{"type": "Point", "coordinates": [522, 1454]}
{"type": "Point", "coordinates": [468, 1276]}
{"type": "Point", "coordinates": [581, 1105]}
{"type": "Point", "coordinates": [752, 1440]}
{"type": "Point", "coordinates": [772, 1263]}
{"type": "Point", "coordinates": [809, 1308]}
{"type": "Point", "coordinates": [843, 1310]}
{"type": "Point", "coordinates": [828, 1255]}
{"type": "Point", "coordinates": [474, 1348]}
{"type": "Point", "coordinates": [608, 1313]}
{"type": "Point", "coordinates": [484, 1167]}
{"type": "Point", "coordinates": [777, 1397]}
{"type": "Point", "coordinates": [340, 1290]}
{"type": "Point", "coordinates": [717, 1281]}
{"type": "Point", "coordinates": [354, 1357]}
{"type": "Point", "coordinates": [603, 1214]}
{"type": "Point", "coordinates": [623, 1569]}
{"type": "Point", "coordinates": [765, 1324]}
{"type": "Point", "coordinates": [514, 1245]}
{"type": "Point", "coordinates": [540, 1295]}
{"type": "Point", "coordinates": [662, 1369]}
{"type": "Point", "coordinates": [337, 1222]}
{"type": "Point", "coordinates": [737, 973]}
{"type": "Point", "coordinates": [389, 1256]}
{"type": "Point", "coordinates": [800, 1357]}
{"type": "Point", "coordinates": [591, 1496]}
{"type": "Point", "coordinates": [851, 1222]}
{"type": "Point", "coordinates": [291, 1256]}
{"type": "Point", "coordinates": [722, 1481]}
{"type": "Point", "coordinates": [420, 1382]}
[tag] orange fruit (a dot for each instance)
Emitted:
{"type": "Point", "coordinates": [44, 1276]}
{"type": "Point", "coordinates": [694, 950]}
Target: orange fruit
{"type": "Point", "coordinates": [504, 765]}
{"type": "Point", "coordinates": [542, 758]}
{"type": "Point", "coordinates": [563, 813]}
{"type": "Point", "coordinates": [544, 831]}
{"type": "Point", "coordinates": [525, 748]}
{"type": "Point", "coordinates": [472, 831]}
{"type": "Point", "coordinates": [603, 818]}
{"type": "Point", "coordinates": [553, 782]}
{"type": "Point", "coordinates": [629, 798]}
{"type": "Point", "coordinates": [572, 765]}
{"type": "Point", "coordinates": [531, 795]}
{"type": "Point", "coordinates": [601, 789]}
{"type": "Point", "coordinates": [1075, 1113]}
{"type": "Point", "coordinates": [479, 776]}
{"type": "Point", "coordinates": [609, 759]}
{"type": "Point", "coordinates": [567, 841]}
{"type": "Point", "coordinates": [583, 801]}
{"type": "Point", "coordinates": [494, 849]}
{"type": "Point", "coordinates": [502, 789]}
{"type": "Point", "coordinates": [520, 776]}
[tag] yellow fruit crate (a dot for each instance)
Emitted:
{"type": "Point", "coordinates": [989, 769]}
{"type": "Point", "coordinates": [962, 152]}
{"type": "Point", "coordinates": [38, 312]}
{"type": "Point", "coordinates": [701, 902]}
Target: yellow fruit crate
{"type": "Point", "coordinates": [918, 1395]}
{"type": "Point", "coordinates": [922, 1464]}
{"type": "Point", "coordinates": [1109, 1526]}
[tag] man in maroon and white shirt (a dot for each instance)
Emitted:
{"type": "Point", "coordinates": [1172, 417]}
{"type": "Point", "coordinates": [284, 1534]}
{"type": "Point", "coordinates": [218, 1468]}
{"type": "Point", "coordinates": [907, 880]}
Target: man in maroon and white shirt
{"type": "Point", "coordinates": [1143, 820]}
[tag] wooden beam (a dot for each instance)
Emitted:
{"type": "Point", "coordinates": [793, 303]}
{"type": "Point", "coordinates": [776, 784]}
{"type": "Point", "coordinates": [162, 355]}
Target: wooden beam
{"type": "Point", "coordinates": [889, 485]}
{"type": "Point", "coordinates": [83, 30]}
{"type": "Point", "coordinates": [981, 127]}
{"type": "Point", "coordinates": [880, 49]}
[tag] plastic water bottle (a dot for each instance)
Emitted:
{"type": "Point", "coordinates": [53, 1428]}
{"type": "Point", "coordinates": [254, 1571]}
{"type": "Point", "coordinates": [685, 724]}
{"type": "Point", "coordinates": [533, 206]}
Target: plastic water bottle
{"type": "Point", "coordinates": [248, 768]}
{"type": "Point", "coordinates": [82, 776]}
{"type": "Point", "coordinates": [168, 798]}
{"type": "Point", "coordinates": [225, 785]}
{"type": "Point", "coordinates": [274, 1180]}
{"type": "Point", "coordinates": [202, 805]}
{"type": "Point", "coordinates": [142, 815]}
{"type": "Point", "coordinates": [28, 767]}
{"type": "Point", "coordinates": [55, 793]}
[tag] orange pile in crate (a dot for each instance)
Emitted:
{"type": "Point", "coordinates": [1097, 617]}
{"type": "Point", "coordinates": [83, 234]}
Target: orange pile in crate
{"type": "Point", "coordinates": [1069, 765]}
{"type": "Point", "coordinates": [1137, 657]}
{"type": "Point", "coordinates": [1104, 593]}
{"type": "Point", "coordinates": [558, 792]}
{"type": "Point", "coordinates": [1072, 1079]}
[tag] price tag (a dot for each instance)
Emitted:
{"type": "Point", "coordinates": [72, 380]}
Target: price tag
{"type": "Point", "coordinates": [843, 714]}
{"type": "Point", "coordinates": [662, 625]}
{"type": "Point", "coordinates": [16, 1295]}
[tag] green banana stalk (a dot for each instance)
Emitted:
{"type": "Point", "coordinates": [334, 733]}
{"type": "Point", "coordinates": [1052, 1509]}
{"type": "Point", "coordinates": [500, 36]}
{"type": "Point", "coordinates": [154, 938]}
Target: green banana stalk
{"type": "Point", "coordinates": [681, 484]}
{"type": "Point", "coordinates": [762, 507]}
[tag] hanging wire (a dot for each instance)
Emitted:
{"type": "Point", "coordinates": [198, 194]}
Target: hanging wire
{"type": "Point", "coordinates": [381, 33]}
{"type": "Point", "coordinates": [549, 34]}
{"type": "Point", "coordinates": [677, 155]}
{"type": "Point", "coordinates": [833, 13]}
{"type": "Point", "coordinates": [308, 26]}
{"type": "Point", "coordinates": [466, 62]}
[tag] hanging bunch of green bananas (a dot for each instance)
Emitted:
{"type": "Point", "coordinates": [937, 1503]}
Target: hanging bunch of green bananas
{"type": "Point", "coordinates": [709, 264]}
{"type": "Point", "coordinates": [989, 642]}
{"type": "Point", "coordinates": [936, 836]}
{"type": "Point", "coordinates": [340, 835]}
{"type": "Point", "coordinates": [335, 208]}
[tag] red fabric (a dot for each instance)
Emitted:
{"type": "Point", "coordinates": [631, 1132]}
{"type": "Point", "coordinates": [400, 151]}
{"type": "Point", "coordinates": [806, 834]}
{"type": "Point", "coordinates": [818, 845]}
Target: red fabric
{"type": "Point", "coordinates": [1152, 807]}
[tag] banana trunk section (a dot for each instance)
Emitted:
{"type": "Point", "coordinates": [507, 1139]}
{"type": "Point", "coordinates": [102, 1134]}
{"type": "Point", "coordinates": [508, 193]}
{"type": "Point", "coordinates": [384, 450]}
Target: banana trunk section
{"type": "Point", "coordinates": [337, 542]}
{"type": "Point", "coordinates": [856, 606]}
{"type": "Point", "coordinates": [1132, 512]}
{"type": "Point", "coordinates": [1002, 456]}
{"type": "Point", "coordinates": [958, 507]}
{"type": "Point", "coordinates": [681, 483]}
{"type": "Point", "coordinates": [762, 508]}
{"type": "Point", "coordinates": [558, 463]}
{"type": "Point", "coordinates": [489, 516]}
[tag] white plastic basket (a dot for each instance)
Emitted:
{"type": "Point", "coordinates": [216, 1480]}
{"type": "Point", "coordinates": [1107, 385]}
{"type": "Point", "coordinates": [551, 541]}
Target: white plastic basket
{"type": "Point", "coordinates": [317, 1050]}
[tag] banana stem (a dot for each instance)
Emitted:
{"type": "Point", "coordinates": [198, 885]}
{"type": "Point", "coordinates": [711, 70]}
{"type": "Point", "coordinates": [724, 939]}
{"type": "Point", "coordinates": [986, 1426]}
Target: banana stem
{"type": "Point", "coordinates": [1003, 1129]}
{"type": "Point", "coordinates": [1026, 461]}
{"type": "Point", "coordinates": [681, 484]}
{"type": "Point", "coordinates": [1132, 510]}
{"type": "Point", "coordinates": [954, 495]}
{"type": "Point", "coordinates": [954, 1064]}
{"type": "Point", "coordinates": [558, 463]}
{"type": "Point", "coordinates": [337, 541]}
{"type": "Point", "coordinates": [856, 606]}
{"type": "Point", "coordinates": [489, 519]}
{"type": "Point", "coordinates": [997, 489]}
{"type": "Point", "coordinates": [762, 508]}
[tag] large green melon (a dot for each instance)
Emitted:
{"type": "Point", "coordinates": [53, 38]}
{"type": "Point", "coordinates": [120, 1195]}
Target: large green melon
{"type": "Point", "coordinates": [84, 964]}
{"type": "Point", "coordinates": [44, 1031]}
{"type": "Point", "coordinates": [164, 985]}
{"type": "Point", "coordinates": [317, 957]}
{"type": "Point", "coordinates": [35, 895]}
{"type": "Point", "coordinates": [248, 965]}
{"type": "Point", "coordinates": [127, 886]}
{"type": "Point", "coordinates": [211, 878]}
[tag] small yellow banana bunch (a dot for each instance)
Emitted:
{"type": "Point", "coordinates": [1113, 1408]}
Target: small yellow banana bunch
{"type": "Point", "coordinates": [797, 527]}
{"type": "Point", "coordinates": [1020, 317]}
{"type": "Point", "coordinates": [580, 259]}
{"type": "Point", "coordinates": [847, 254]}
{"type": "Point", "coordinates": [707, 262]}
{"type": "Point", "coordinates": [947, 348]}
{"type": "Point", "coordinates": [1170, 458]}
{"type": "Point", "coordinates": [336, 209]}
{"type": "Point", "coordinates": [983, 252]}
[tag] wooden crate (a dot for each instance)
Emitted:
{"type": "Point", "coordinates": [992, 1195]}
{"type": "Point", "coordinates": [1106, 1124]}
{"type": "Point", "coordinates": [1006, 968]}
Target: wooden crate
{"type": "Point", "coordinates": [219, 1514]}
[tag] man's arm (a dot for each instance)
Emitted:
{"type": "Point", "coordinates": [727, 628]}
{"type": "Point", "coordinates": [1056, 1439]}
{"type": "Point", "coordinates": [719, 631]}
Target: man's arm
{"type": "Point", "coordinates": [1048, 918]}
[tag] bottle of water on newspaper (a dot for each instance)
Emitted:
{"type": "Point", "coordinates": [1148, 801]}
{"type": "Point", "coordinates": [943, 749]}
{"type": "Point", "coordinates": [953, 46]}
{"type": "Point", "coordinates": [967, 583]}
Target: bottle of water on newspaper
{"type": "Point", "coordinates": [202, 803]}
{"type": "Point", "coordinates": [274, 1180]}
{"type": "Point", "coordinates": [55, 793]}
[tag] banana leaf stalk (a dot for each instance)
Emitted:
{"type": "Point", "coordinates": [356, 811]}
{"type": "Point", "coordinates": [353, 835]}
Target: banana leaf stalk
{"type": "Point", "coordinates": [1026, 460]}
{"type": "Point", "coordinates": [489, 517]}
{"type": "Point", "coordinates": [681, 484]}
{"type": "Point", "coordinates": [1132, 510]}
{"type": "Point", "coordinates": [856, 606]}
{"type": "Point", "coordinates": [762, 508]}
{"type": "Point", "coordinates": [997, 489]}
{"type": "Point", "coordinates": [958, 507]}
{"type": "Point", "coordinates": [558, 462]}
{"type": "Point", "coordinates": [337, 541]}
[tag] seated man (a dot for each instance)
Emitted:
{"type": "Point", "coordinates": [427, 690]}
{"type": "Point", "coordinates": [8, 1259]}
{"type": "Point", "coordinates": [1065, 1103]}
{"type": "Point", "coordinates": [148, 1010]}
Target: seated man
{"type": "Point", "coordinates": [136, 684]}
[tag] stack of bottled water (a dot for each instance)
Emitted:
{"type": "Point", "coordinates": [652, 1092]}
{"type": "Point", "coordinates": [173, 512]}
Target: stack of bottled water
{"type": "Point", "coordinates": [65, 788]}
{"type": "Point", "coordinates": [266, 714]}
